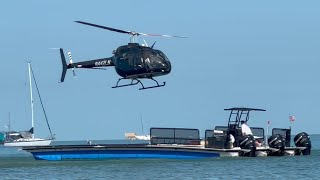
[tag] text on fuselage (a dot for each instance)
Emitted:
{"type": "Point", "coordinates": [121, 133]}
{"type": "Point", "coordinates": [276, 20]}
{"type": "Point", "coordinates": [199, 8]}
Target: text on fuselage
{"type": "Point", "coordinates": [102, 63]}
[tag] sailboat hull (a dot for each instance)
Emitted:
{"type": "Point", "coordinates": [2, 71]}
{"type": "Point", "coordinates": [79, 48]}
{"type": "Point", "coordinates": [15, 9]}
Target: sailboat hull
{"type": "Point", "coordinates": [28, 143]}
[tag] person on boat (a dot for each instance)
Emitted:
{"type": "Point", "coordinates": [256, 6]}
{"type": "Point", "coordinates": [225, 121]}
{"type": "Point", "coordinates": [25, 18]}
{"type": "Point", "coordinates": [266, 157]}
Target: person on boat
{"type": "Point", "coordinates": [231, 141]}
{"type": "Point", "coordinates": [257, 143]}
{"type": "Point", "coordinates": [245, 129]}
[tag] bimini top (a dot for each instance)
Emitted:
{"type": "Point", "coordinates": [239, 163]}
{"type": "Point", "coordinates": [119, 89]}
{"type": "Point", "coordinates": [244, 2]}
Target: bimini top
{"type": "Point", "coordinates": [243, 109]}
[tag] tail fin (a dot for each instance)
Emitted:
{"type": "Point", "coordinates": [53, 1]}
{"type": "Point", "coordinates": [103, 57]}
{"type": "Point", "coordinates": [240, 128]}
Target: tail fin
{"type": "Point", "coordinates": [64, 65]}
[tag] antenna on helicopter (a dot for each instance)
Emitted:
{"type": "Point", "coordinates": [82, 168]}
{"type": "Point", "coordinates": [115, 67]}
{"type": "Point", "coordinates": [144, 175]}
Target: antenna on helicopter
{"type": "Point", "coordinates": [153, 45]}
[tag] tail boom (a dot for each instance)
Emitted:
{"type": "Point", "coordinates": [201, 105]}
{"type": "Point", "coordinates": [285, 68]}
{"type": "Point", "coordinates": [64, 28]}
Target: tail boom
{"type": "Point", "coordinates": [90, 64]}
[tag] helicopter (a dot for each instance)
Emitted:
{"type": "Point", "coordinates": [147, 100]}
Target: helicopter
{"type": "Point", "coordinates": [132, 61]}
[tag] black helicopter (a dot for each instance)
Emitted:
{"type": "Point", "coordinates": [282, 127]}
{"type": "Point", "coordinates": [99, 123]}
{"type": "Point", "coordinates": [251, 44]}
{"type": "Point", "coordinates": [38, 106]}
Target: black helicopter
{"type": "Point", "coordinates": [132, 61]}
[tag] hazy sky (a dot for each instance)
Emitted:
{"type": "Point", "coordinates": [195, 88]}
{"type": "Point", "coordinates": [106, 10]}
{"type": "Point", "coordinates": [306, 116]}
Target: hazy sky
{"type": "Point", "coordinates": [240, 53]}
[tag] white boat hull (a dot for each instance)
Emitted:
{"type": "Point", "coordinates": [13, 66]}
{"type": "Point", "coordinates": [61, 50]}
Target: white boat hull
{"type": "Point", "coordinates": [43, 142]}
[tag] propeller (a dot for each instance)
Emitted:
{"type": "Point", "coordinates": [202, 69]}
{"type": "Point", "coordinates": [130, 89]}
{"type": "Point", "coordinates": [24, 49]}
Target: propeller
{"type": "Point", "coordinates": [132, 33]}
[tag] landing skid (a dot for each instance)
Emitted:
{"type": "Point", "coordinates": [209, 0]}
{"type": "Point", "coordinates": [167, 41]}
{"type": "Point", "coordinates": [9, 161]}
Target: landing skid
{"type": "Point", "coordinates": [137, 81]}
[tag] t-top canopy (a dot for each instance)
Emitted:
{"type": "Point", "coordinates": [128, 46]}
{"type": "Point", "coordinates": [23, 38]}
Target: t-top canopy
{"type": "Point", "coordinates": [243, 109]}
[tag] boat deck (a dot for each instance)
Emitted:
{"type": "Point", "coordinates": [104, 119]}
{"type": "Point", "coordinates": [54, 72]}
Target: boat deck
{"type": "Point", "coordinates": [125, 151]}
{"type": "Point", "coordinates": [139, 146]}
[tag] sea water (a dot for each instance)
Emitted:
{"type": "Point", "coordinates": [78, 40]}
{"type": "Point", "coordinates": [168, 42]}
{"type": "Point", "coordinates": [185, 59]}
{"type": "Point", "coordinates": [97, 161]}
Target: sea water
{"type": "Point", "coordinates": [18, 164]}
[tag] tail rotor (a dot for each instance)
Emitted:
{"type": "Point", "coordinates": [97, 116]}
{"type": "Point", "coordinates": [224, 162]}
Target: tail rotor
{"type": "Point", "coordinates": [70, 60]}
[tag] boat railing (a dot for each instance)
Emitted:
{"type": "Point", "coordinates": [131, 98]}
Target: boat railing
{"type": "Point", "coordinates": [184, 141]}
{"type": "Point", "coordinates": [217, 138]}
{"type": "Point", "coordinates": [285, 133]}
{"type": "Point", "coordinates": [183, 136]}
{"type": "Point", "coordinates": [258, 133]}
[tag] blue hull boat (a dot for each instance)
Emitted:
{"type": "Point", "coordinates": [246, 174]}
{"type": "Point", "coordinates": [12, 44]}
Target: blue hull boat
{"type": "Point", "coordinates": [185, 143]}
{"type": "Point", "coordinates": [108, 151]}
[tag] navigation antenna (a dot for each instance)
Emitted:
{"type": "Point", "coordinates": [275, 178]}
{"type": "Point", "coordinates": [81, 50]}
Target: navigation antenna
{"type": "Point", "coordinates": [9, 124]}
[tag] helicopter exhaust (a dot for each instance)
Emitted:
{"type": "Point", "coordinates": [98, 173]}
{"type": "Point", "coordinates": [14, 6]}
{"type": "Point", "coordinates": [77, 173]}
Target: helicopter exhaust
{"type": "Point", "coordinates": [64, 65]}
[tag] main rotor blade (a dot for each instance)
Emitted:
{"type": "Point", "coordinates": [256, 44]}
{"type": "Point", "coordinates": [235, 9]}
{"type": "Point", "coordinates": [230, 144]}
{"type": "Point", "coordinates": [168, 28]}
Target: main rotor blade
{"type": "Point", "coordinates": [133, 33]}
{"type": "Point", "coordinates": [104, 27]}
{"type": "Point", "coordinates": [162, 35]}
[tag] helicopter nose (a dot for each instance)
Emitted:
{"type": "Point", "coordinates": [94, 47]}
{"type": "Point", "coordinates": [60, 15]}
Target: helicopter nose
{"type": "Point", "coordinates": [167, 67]}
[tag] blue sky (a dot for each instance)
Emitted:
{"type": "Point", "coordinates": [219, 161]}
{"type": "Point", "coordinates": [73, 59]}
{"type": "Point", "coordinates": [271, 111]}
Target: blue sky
{"type": "Point", "coordinates": [240, 53]}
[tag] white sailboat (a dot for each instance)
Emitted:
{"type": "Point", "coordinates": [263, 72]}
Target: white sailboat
{"type": "Point", "coordinates": [145, 137]}
{"type": "Point", "coordinates": [26, 138]}
{"type": "Point", "coordinates": [134, 136]}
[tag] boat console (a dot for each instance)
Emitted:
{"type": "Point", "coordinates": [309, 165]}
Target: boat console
{"type": "Point", "coordinates": [231, 136]}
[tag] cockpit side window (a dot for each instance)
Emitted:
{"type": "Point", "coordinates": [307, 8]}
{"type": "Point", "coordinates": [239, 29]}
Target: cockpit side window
{"type": "Point", "coordinates": [121, 50]}
{"type": "Point", "coordinates": [154, 59]}
{"type": "Point", "coordinates": [162, 55]}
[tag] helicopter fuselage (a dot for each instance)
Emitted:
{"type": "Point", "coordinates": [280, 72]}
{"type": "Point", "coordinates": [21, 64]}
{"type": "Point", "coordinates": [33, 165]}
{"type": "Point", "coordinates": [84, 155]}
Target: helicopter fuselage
{"type": "Point", "coordinates": [136, 61]}
{"type": "Point", "coordinates": [132, 61]}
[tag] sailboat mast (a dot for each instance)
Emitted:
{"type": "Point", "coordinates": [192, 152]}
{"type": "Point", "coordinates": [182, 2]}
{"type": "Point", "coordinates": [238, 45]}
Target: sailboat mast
{"type": "Point", "coordinates": [9, 124]}
{"type": "Point", "coordinates": [141, 124]}
{"type": "Point", "coordinates": [31, 100]}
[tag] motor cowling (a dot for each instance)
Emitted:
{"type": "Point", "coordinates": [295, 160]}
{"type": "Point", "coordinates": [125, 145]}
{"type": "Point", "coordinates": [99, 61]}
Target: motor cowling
{"type": "Point", "coordinates": [303, 140]}
{"type": "Point", "coordinates": [247, 142]}
{"type": "Point", "coordinates": [276, 141]}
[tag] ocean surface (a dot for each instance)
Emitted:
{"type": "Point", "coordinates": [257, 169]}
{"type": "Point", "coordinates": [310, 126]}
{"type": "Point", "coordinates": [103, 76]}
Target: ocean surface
{"type": "Point", "coordinates": [18, 164]}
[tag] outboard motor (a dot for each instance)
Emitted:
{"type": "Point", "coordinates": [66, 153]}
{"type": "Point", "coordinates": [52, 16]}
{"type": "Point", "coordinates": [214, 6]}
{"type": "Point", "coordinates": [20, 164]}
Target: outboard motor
{"type": "Point", "coordinates": [277, 143]}
{"type": "Point", "coordinates": [302, 140]}
{"type": "Point", "coordinates": [247, 145]}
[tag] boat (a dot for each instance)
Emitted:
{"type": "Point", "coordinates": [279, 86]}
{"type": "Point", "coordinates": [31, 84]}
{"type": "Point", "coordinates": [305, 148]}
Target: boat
{"type": "Point", "coordinates": [230, 138]}
{"type": "Point", "coordinates": [27, 138]}
{"type": "Point", "coordinates": [185, 143]}
{"type": "Point", "coordinates": [2, 137]}
{"type": "Point", "coordinates": [134, 136]}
